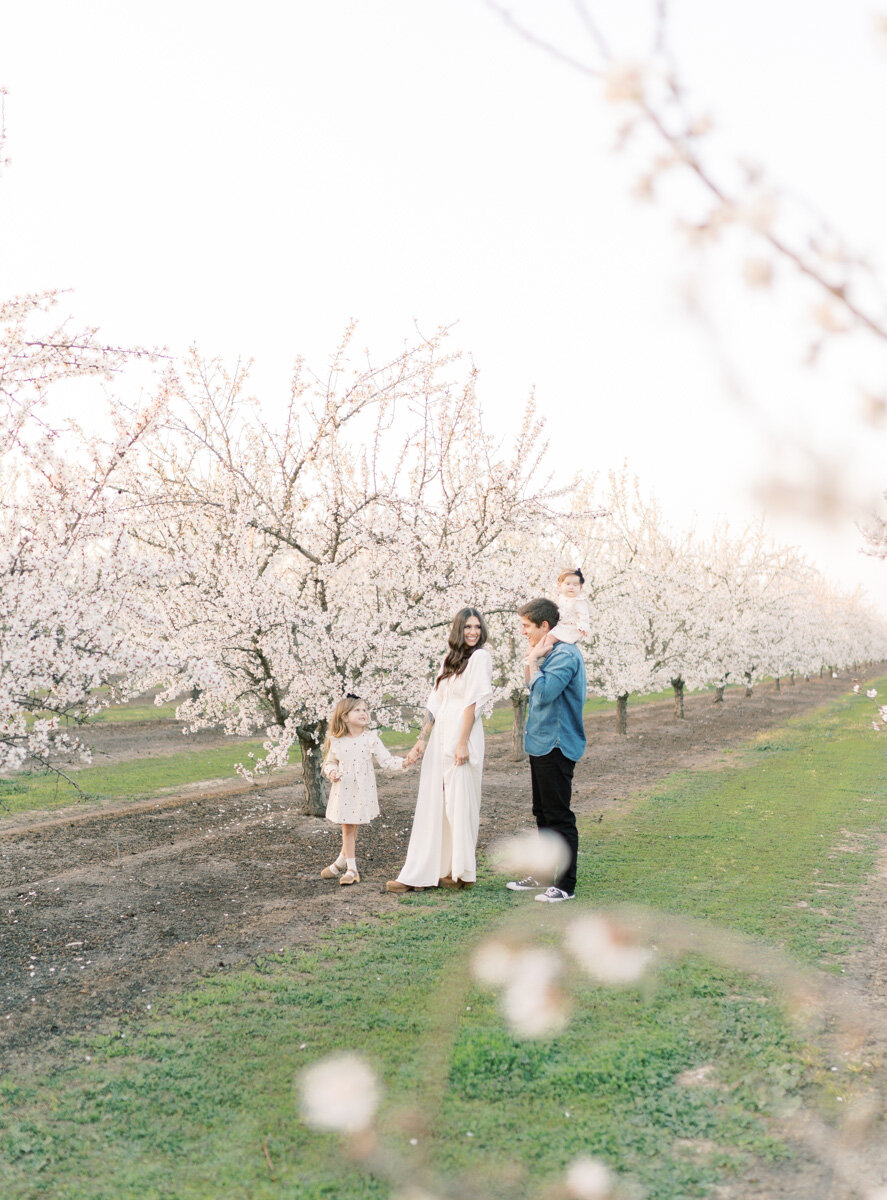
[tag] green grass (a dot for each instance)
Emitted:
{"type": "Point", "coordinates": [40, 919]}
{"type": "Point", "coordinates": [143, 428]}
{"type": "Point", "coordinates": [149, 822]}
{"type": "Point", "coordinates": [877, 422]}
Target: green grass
{"type": "Point", "coordinates": [127, 780]}
{"type": "Point", "coordinates": [135, 710]}
{"type": "Point", "coordinates": [178, 1102]}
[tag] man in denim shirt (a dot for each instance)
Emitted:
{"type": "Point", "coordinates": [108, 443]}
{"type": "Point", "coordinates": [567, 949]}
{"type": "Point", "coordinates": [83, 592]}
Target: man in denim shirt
{"type": "Point", "coordinates": [554, 737]}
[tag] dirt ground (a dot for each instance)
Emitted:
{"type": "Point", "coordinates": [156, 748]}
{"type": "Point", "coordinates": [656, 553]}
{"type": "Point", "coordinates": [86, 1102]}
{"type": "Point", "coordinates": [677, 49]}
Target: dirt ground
{"type": "Point", "coordinates": [102, 908]}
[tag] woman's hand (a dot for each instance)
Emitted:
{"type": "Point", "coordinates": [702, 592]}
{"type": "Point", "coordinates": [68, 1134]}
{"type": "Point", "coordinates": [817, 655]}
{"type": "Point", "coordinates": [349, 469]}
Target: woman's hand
{"type": "Point", "coordinates": [461, 755]}
{"type": "Point", "coordinates": [415, 754]}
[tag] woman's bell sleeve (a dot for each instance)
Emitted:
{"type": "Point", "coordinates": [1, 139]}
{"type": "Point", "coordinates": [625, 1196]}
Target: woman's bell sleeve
{"type": "Point", "coordinates": [479, 681]}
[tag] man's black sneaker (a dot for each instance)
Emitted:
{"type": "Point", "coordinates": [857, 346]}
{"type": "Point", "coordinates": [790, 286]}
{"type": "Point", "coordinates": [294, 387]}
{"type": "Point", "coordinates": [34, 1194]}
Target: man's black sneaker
{"type": "Point", "coordinates": [525, 885]}
{"type": "Point", "coordinates": [554, 895]}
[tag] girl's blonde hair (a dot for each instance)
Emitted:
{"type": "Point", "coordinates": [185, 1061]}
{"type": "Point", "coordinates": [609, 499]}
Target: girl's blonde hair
{"type": "Point", "coordinates": [338, 726]}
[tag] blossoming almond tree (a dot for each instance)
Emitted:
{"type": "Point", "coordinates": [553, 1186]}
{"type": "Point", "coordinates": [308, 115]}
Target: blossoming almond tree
{"type": "Point", "coordinates": [325, 552]}
{"type": "Point", "coordinates": [648, 613]}
{"type": "Point", "coordinates": [608, 552]}
{"type": "Point", "coordinates": [744, 575]}
{"type": "Point", "coordinates": [66, 576]}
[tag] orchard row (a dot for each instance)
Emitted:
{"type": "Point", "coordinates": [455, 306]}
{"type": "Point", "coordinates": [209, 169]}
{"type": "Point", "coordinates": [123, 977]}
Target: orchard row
{"type": "Point", "coordinates": [260, 561]}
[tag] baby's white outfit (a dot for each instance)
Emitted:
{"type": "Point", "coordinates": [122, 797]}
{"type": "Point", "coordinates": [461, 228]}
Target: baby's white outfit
{"type": "Point", "coordinates": [353, 799]}
{"type": "Point", "coordinates": [575, 620]}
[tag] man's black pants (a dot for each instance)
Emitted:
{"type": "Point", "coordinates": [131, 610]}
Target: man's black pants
{"type": "Point", "coordinates": [552, 778]}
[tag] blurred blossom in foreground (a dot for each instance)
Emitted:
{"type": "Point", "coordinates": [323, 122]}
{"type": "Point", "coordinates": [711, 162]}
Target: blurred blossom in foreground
{"type": "Point", "coordinates": [542, 854]}
{"type": "Point", "coordinates": [605, 950]}
{"type": "Point", "coordinates": [493, 963]}
{"type": "Point", "coordinates": [532, 1001]}
{"type": "Point", "coordinates": [871, 693]}
{"type": "Point", "coordinates": [588, 1179]}
{"type": "Point", "coordinates": [758, 272]}
{"type": "Point", "coordinates": [340, 1093]}
{"type": "Point", "coordinates": [624, 83]}
{"type": "Point", "coordinates": [856, 688]}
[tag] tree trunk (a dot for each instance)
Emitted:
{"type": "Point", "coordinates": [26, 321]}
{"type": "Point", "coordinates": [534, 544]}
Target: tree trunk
{"type": "Point", "coordinates": [311, 739]}
{"type": "Point", "coordinates": [719, 693]}
{"type": "Point", "coordinates": [778, 687]}
{"type": "Point", "coordinates": [519, 703]}
{"type": "Point", "coordinates": [622, 713]}
{"type": "Point", "coordinates": [791, 679]}
{"type": "Point", "coordinates": [748, 685]}
{"type": "Point", "coordinates": [678, 685]}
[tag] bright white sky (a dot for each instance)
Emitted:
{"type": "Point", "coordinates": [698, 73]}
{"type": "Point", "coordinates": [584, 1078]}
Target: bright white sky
{"type": "Point", "coordinates": [250, 177]}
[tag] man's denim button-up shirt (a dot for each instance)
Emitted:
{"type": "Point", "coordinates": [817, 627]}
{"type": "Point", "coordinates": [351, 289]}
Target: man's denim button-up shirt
{"type": "Point", "coordinates": [557, 695]}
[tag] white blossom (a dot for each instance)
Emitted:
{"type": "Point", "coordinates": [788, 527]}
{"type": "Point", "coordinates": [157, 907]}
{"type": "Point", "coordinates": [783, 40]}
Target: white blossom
{"type": "Point", "coordinates": [609, 953]}
{"type": "Point", "coordinates": [543, 854]}
{"type": "Point", "coordinates": [493, 963]}
{"type": "Point", "coordinates": [339, 1093]}
{"type": "Point", "coordinates": [624, 82]}
{"type": "Point", "coordinates": [533, 1002]}
{"type": "Point", "coordinates": [588, 1179]}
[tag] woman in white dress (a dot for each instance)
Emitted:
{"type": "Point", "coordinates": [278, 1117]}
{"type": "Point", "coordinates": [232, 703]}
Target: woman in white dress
{"type": "Point", "coordinates": [443, 840]}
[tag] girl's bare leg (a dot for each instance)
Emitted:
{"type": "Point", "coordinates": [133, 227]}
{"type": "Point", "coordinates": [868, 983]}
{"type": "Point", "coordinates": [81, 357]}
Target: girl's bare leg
{"type": "Point", "coordinates": [349, 840]}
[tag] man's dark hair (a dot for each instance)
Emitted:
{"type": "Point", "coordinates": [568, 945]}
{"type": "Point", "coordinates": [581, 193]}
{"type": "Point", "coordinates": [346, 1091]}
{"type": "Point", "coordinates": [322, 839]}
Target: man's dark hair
{"type": "Point", "coordinates": [540, 610]}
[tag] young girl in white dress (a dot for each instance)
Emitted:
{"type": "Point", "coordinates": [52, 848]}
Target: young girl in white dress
{"type": "Point", "coordinates": [350, 749]}
{"type": "Point", "coordinates": [443, 840]}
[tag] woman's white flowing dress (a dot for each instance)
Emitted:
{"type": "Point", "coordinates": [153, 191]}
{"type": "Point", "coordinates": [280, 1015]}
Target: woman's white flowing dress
{"type": "Point", "coordinates": [443, 840]}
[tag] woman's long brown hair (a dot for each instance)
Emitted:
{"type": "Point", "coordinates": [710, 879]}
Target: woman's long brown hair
{"type": "Point", "coordinates": [458, 653]}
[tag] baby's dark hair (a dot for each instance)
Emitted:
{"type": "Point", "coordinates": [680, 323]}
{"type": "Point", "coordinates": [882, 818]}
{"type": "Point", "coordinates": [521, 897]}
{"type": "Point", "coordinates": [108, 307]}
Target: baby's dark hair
{"type": "Point", "coordinates": [571, 571]}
